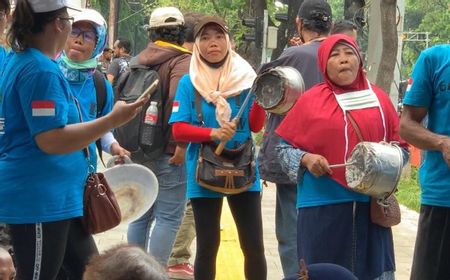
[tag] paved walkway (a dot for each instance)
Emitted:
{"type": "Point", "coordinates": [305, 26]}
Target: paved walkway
{"type": "Point", "coordinates": [230, 259]}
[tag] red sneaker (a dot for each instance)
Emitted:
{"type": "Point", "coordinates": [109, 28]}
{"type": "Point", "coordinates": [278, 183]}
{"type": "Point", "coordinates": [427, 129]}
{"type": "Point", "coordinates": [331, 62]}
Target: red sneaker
{"type": "Point", "coordinates": [183, 271]}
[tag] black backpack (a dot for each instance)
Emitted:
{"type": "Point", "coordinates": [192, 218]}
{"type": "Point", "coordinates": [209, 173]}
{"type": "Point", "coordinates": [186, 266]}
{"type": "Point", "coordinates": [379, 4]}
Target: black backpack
{"type": "Point", "coordinates": [100, 92]}
{"type": "Point", "coordinates": [129, 87]}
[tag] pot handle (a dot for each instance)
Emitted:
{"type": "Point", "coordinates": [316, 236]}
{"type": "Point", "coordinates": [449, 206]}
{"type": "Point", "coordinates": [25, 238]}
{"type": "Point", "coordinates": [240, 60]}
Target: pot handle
{"type": "Point", "coordinates": [116, 160]}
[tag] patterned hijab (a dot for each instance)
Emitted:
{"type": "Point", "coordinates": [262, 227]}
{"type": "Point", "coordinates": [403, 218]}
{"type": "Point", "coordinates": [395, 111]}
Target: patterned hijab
{"type": "Point", "coordinates": [78, 71]}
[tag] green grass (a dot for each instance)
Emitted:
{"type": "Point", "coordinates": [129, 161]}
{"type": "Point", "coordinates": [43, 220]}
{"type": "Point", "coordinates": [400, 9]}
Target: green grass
{"type": "Point", "coordinates": [257, 137]}
{"type": "Point", "coordinates": [408, 192]}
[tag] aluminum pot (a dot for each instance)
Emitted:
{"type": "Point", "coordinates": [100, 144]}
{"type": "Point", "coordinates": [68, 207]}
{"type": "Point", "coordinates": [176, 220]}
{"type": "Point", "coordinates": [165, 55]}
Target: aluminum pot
{"type": "Point", "coordinates": [374, 168]}
{"type": "Point", "coordinates": [277, 89]}
{"type": "Point", "coordinates": [134, 185]}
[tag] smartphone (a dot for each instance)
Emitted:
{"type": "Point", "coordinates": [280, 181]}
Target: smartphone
{"type": "Point", "coordinates": [149, 90]}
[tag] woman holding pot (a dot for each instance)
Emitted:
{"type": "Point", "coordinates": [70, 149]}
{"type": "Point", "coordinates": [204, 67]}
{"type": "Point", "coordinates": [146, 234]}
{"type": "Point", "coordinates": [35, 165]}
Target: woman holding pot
{"type": "Point", "coordinates": [334, 222]}
{"type": "Point", "coordinates": [219, 79]}
{"type": "Point", "coordinates": [44, 169]}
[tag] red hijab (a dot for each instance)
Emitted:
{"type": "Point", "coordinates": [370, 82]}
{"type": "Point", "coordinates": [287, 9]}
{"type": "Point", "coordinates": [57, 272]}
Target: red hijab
{"type": "Point", "coordinates": [316, 122]}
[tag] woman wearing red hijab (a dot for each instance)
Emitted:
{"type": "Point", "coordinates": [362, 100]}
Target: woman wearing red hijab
{"type": "Point", "coordinates": [333, 221]}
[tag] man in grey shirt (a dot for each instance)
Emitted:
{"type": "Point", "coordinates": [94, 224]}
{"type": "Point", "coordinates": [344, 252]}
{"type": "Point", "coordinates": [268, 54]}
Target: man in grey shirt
{"type": "Point", "coordinates": [313, 25]}
{"type": "Point", "coordinates": [120, 63]}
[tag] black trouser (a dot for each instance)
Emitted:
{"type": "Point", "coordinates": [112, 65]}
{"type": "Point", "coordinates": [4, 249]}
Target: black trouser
{"type": "Point", "coordinates": [246, 211]}
{"type": "Point", "coordinates": [43, 249]}
{"type": "Point", "coordinates": [432, 251]}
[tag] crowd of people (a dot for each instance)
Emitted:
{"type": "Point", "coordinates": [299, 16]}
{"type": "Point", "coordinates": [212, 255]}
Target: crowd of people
{"type": "Point", "coordinates": [60, 102]}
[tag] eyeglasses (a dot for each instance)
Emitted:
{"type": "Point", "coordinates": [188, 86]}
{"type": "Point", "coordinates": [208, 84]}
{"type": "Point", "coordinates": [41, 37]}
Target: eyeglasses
{"type": "Point", "coordinates": [69, 19]}
{"type": "Point", "coordinates": [88, 35]}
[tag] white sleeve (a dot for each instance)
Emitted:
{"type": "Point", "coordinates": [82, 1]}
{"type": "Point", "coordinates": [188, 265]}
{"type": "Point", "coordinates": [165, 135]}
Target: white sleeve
{"type": "Point", "coordinates": [107, 140]}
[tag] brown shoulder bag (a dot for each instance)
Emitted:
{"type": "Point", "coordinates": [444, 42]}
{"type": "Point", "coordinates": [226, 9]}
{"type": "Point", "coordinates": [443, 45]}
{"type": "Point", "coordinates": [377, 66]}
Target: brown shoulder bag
{"type": "Point", "coordinates": [232, 171]}
{"type": "Point", "coordinates": [100, 208]}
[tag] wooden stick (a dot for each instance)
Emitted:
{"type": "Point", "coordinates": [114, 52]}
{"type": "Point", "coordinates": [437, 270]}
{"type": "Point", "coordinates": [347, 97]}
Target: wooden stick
{"type": "Point", "coordinates": [220, 148]}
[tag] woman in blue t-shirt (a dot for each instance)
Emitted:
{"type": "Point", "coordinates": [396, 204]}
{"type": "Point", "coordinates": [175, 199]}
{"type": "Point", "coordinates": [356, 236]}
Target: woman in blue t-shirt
{"type": "Point", "coordinates": [221, 79]}
{"type": "Point", "coordinates": [78, 62]}
{"type": "Point", "coordinates": [43, 167]}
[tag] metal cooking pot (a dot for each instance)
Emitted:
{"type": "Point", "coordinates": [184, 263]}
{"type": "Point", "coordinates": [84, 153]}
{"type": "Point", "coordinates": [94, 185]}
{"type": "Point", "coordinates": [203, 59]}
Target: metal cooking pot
{"type": "Point", "coordinates": [277, 89]}
{"type": "Point", "coordinates": [374, 168]}
{"type": "Point", "coordinates": [134, 185]}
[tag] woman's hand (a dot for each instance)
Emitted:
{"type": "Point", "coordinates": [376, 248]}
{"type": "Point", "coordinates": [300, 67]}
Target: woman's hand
{"type": "Point", "coordinates": [316, 164]}
{"type": "Point", "coordinates": [224, 133]}
{"type": "Point", "coordinates": [117, 150]}
{"type": "Point", "coordinates": [178, 156]}
{"type": "Point", "coordinates": [123, 112]}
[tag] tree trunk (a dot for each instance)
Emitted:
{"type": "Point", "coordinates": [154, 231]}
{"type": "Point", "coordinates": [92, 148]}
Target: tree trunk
{"type": "Point", "coordinates": [255, 8]}
{"type": "Point", "coordinates": [386, 69]}
{"type": "Point", "coordinates": [112, 23]}
{"type": "Point", "coordinates": [290, 25]}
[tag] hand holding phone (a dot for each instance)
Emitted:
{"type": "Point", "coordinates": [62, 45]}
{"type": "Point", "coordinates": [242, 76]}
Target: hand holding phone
{"type": "Point", "coordinates": [149, 90]}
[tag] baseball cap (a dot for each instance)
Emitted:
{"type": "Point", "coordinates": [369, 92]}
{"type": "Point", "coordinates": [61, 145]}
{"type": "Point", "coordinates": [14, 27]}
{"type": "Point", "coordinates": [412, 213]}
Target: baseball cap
{"type": "Point", "coordinates": [166, 16]}
{"type": "Point", "coordinates": [317, 10]}
{"type": "Point", "coordinates": [89, 15]}
{"type": "Point", "coordinates": [43, 6]}
{"type": "Point", "coordinates": [205, 20]}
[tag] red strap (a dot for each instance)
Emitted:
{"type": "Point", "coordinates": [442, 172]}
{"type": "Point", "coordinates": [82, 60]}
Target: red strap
{"type": "Point", "coordinates": [355, 126]}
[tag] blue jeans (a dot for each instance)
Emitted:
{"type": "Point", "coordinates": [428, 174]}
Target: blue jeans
{"type": "Point", "coordinates": [166, 213]}
{"type": "Point", "coordinates": [286, 227]}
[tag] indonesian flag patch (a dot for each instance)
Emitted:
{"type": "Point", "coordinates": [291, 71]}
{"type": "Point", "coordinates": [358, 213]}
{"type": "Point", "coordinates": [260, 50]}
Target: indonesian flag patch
{"type": "Point", "coordinates": [43, 108]}
{"type": "Point", "coordinates": [410, 81]}
{"type": "Point", "coordinates": [175, 107]}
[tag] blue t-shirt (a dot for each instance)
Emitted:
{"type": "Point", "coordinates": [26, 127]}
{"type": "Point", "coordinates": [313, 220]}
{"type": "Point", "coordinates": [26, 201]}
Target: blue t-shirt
{"type": "Point", "coordinates": [187, 112]}
{"type": "Point", "coordinates": [87, 97]}
{"type": "Point", "coordinates": [312, 191]}
{"type": "Point", "coordinates": [5, 56]}
{"type": "Point", "coordinates": [35, 186]}
{"type": "Point", "coordinates": [431, 89]}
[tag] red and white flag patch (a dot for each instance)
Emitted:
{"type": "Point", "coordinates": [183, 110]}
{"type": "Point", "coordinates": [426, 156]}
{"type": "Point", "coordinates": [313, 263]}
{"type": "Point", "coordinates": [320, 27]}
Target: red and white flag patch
{"type": "Point", "coordinates": [410, 81]}
{"type": "Point", "coordinates": [43, 108]}
{"type": "Point", "coordinates": [175, 107]}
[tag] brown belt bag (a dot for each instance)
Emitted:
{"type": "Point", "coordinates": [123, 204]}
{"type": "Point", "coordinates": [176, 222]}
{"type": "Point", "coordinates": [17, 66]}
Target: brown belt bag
{"type": "Point", "coordinates": [231, 172]}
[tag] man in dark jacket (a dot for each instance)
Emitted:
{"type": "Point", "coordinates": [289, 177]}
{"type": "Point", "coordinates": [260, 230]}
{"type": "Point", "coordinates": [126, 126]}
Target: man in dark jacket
{"type": "Point", "coordinates": [313, 24]}
{"type": "Point", "coordinates": [166, 54]}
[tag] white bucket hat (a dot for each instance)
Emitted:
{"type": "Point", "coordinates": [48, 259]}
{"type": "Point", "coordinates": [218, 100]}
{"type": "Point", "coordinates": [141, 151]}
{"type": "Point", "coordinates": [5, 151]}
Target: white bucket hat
{"type": "Point", "coordinates": [89, 15]}
{"type": "Point", "coordinates": [43, 6]}
{"type": "Point", "coordinates": [166, 16]}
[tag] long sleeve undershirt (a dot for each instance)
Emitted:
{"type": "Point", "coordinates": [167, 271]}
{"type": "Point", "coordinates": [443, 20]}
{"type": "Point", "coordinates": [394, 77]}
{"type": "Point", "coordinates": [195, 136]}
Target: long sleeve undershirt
{"type": "Point", "coordinates": [186, 132]}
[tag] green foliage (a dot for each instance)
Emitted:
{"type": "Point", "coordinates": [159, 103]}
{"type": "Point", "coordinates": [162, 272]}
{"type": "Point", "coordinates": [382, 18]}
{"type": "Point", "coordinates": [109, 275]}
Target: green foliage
{"type": "Point", "coordinates": [424, 16]}
{"type": "Point", "coordinates": [131, 19]}
{"type": "Point", "coordinates": [258, 137]}
{"type": "Point", "coordinates": [337, 8]}
{"type": "Point", "coordinates": [230, 10]}
{"type": "Point", "coordinates": [408, 192]}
